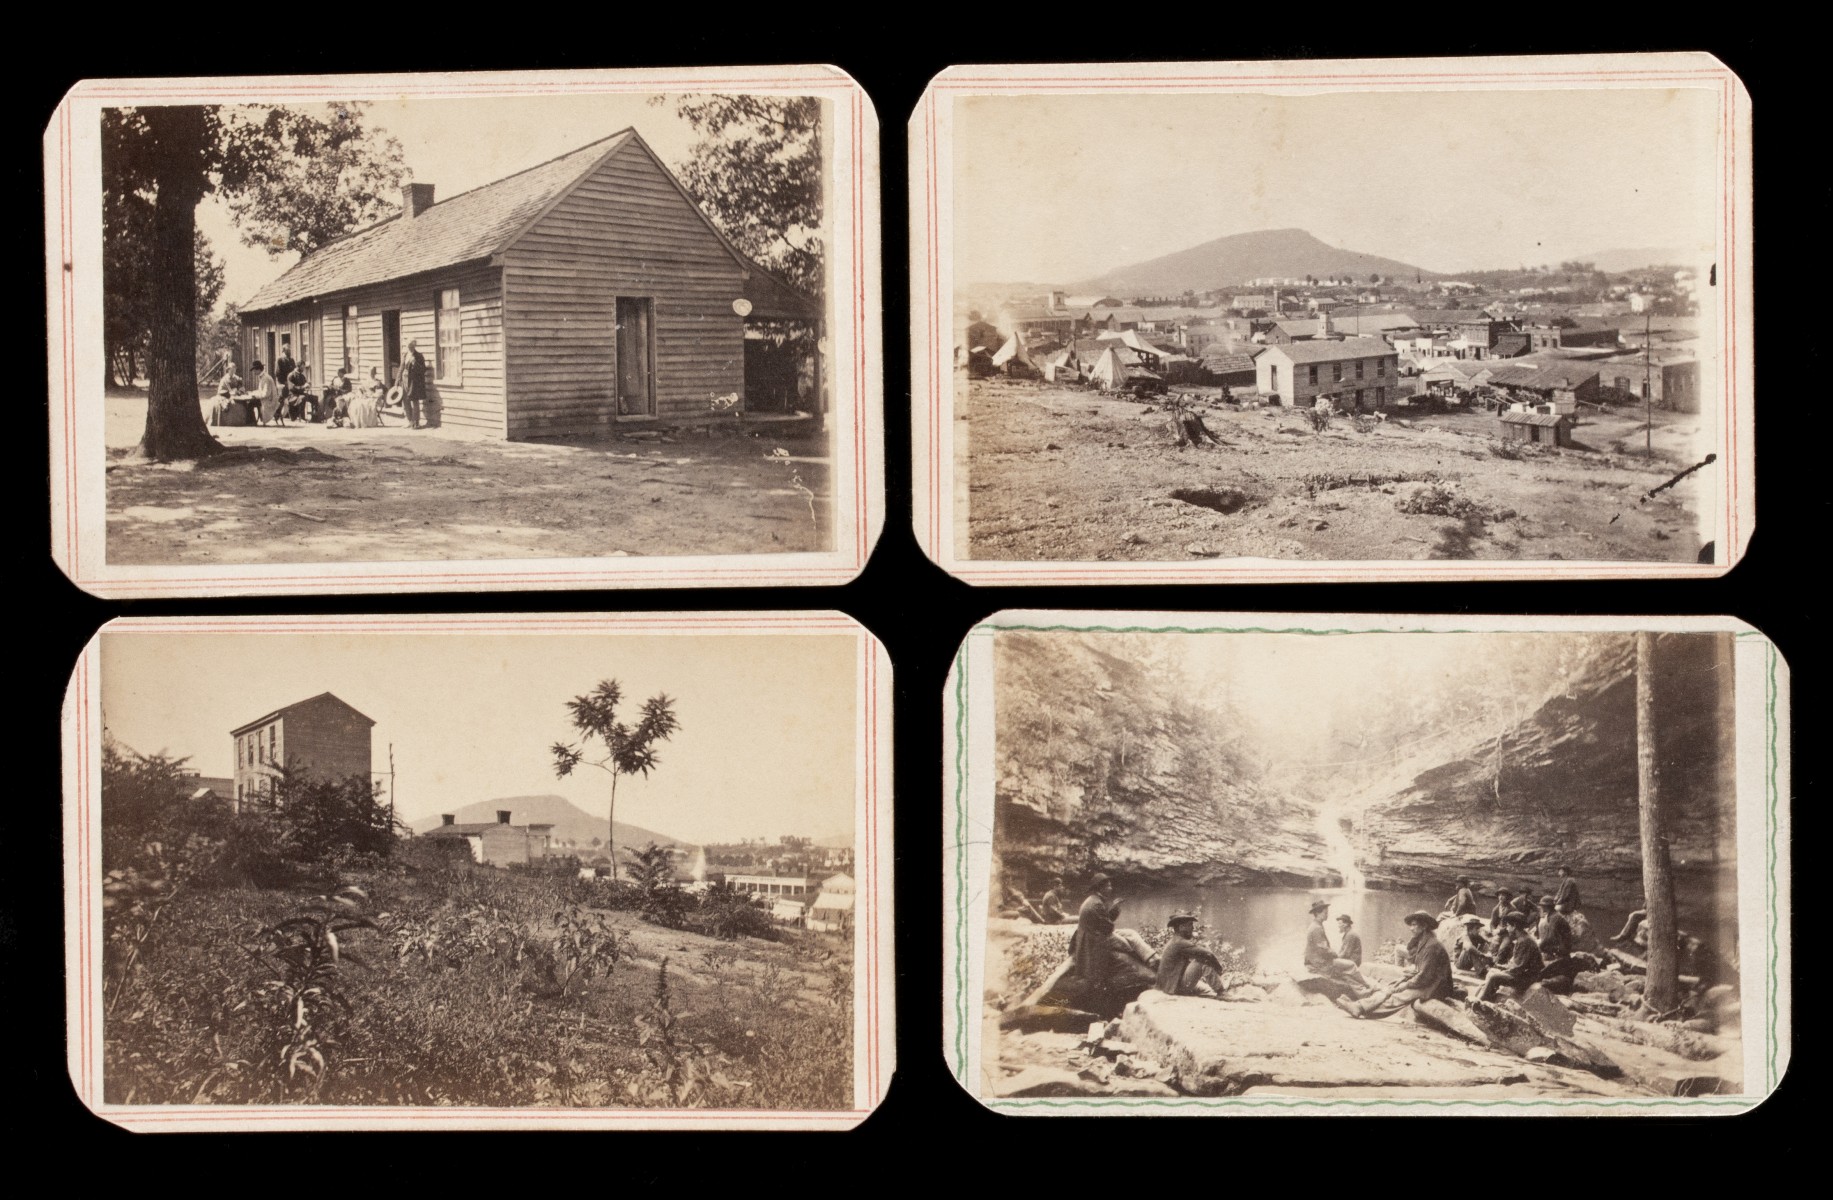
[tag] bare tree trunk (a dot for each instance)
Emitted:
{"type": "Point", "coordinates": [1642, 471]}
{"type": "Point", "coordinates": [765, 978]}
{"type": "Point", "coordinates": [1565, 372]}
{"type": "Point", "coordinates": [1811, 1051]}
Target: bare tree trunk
{"type": "Point", "coordinates": [1657, 876]}
{"type": "Point", "coordinates": [611, 827]}
{"type": "Point", "coordinates": [174, 421]}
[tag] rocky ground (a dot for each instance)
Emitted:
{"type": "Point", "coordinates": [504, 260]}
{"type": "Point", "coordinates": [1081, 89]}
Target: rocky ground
{"type": "Point", "coordinates": [1280, 1035]}
{"type": "Point", "coordinates": [309, 493]}
{"type": "Point", "coordinates": [1052, 472]}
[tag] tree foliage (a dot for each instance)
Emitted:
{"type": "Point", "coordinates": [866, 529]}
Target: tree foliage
{"type": "Point", "coordinates": [757, 171]}
{"type": "Point", "coordinates": [293, 177]}
{"type": "Point", "coordinates": [606, 741]}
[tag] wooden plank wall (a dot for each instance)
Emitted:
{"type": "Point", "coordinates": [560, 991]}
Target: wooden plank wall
{"type": "Point", "coordinates": [625, 231]}
{"type": "Point", "coordinates": [477, 400]}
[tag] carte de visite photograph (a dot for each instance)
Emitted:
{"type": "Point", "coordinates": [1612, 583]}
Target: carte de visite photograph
{"type": "Point", "coordinates": [1420, 319]}
{"type": "Point", "coordinates": [643, 881]}
{"type": "Point", "coordinates": [460, 332]}
{"type": "Point", "coordinates": [1325, 864]}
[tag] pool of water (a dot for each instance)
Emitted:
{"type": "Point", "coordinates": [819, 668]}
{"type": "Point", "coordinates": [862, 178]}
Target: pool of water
{"type": "Point", "coordinates": [1270, 923]}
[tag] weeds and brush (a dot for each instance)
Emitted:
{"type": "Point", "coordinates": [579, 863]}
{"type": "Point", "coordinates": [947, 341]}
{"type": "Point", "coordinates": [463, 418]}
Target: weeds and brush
{"type": "Point", "coordinates": [301, 998]}
{"type": "Point", "coordinates": [1320, 417]}
{"type": "Point", "coordinates": [1459, 541]}
{"type": "Point", "coordinates": [1440, 500]}
{"type": "Point", "coordinates": [780, 455]}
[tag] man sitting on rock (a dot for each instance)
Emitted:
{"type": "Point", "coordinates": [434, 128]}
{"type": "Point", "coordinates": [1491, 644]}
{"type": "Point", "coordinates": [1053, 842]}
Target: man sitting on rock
{"type": "Point", "coordinates": [1430, 978]}
{"type": "Point", "coordinates": [1182, 962]}
{"type": "Point", "coordinates": [1566, 894]}
{"type": "Point", "coordinates": [1320, 959]}
{"type": "Point", "coordinates": [1554, 937]}
{"type": "Point", "coordinates": [1517, 959]}
{"type": "Point", "coordinates": [1474, 954]}
{"type": "Point", "coordinates": [1052, 903]}
{"type": "Point", "coordinates": [1505, 904]}
{"type": "Point", "coordinates": [1112, 967]}
{"type": "Point", "coordinates": [1349, 942]}
{"type": "Point", "coordinates": [1463, 900]}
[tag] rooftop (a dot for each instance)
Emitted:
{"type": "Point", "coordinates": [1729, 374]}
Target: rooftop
{"type": "Point", "coordinates": [1355, 347]}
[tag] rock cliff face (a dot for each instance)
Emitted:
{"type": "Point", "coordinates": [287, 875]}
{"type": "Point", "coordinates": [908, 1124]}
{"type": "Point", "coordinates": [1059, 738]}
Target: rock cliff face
{"type": "Point", "coordinates": [1102, 765]}
{"type": "Point", "coordinates": [1567, 790]}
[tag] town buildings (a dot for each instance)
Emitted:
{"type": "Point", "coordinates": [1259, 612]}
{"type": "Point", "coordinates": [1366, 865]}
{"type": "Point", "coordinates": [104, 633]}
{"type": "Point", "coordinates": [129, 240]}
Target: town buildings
{"type": "Point", "coordinates": [496, 843]}
{"type": "Point", "coordinates": [1356, 372]}
{"type": "Point", "coordinates": [321, 736]}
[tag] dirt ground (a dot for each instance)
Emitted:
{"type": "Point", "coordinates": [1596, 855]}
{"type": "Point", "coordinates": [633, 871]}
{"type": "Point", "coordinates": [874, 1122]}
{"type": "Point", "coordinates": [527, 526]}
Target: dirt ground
{"type": "Point", "coordinates": [1052, 472]}
{"type": "Point", "coordinates": [310, 493]}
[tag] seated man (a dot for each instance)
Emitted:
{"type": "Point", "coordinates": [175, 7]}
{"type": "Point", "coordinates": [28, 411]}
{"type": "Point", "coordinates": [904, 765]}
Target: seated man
{"type": "Point", "coordinates": [337, 399]}
{"type": "Point", "coordinates": [262, 393]}
{"type": "Point", "coordinates": [1112, 966]}
{"type": "Point", "coordinates": [1517, 959]}
{"type": "Point", "coordinates": [1052, 903]}
{"type": "Point", "coordinates": [1505, 904]}
{"type": "Point", "coordinates": [1554, 937]}
{"type": "Point", "coordinates": [1182, 963]}
{"type": "Point", "coordinates": [1349, 942]}
{"type": "Point", "coordinates": [1320, 959]}
{"type": "Point", "coordinates": [1473, 950]}
{"type": "Point", "coordinates": [1430, 978]}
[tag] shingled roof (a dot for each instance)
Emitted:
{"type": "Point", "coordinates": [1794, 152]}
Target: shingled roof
{"type": "Point", "coordinates": [1323, 351]}
{"type": "Point", "coordinates": [464, 228]}
{"type": "Point", "coordinates": [1544, 377]}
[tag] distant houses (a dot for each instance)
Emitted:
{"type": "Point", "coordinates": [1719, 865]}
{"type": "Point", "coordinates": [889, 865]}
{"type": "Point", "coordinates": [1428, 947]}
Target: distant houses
{"type": "Point", "coordinates": [498, 843]}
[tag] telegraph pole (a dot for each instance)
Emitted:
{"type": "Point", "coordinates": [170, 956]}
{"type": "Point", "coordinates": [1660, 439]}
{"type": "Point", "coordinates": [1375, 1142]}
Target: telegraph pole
{"type": "Point", "coordinates": [1648, 396]}
{"type": "Point", "coordinates": [391, 788]}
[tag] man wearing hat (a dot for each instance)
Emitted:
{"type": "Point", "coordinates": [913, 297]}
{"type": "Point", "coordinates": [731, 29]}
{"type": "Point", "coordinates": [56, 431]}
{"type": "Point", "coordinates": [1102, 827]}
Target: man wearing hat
{"type": "Point", "coordinates": [1052, 903]}
{"type": "Point", "coordinates": [413, 386]}
{"type": "Point", "coordinates": [1320, 959]}
{"type": "Point", "coordinates": [1517, 959]}
{"type": "Point", "coordinates": [1565, 896]}
{"type": "Point", "coordinates": [1505, 904]}
{"type": "Point", "coordinates": [1524, 903]}
{"type": "Point", "coordinates": [1473, 950]}
{"type": "Point", "coordinates": [1349, 942]}
{"type": "Point", "coordinates": [1463, 900]}
{"type": "Point", "coordinates": [1554, 937]}
{"type": "Point", "coordinates": [1110, 965]}
{"type": "Point", "coordinates": [1181, 961]}
{"type": "Point", "coordinates": [1430, 978]}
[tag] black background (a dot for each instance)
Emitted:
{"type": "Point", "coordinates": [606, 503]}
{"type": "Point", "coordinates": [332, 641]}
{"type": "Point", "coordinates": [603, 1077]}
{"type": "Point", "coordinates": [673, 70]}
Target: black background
{"type": "Point", "coordinates": [927, 1132]}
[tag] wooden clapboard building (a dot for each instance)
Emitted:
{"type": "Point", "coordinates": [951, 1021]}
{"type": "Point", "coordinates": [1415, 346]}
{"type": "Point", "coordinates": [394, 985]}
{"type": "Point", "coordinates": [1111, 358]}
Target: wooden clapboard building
{"type": "Point", "coordinates": [582, 292]}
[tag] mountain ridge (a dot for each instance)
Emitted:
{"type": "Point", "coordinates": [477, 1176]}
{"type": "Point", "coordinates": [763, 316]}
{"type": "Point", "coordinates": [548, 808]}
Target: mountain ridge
{"type": "Point", "coordinates": [570, 822]}
{"type": "Point", "coordinates": [1236, 258]}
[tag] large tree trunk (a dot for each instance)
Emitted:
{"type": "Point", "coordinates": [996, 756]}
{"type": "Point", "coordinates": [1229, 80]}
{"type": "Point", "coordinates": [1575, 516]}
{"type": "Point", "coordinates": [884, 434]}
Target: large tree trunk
{"type": "Point", "coordinates": [174, 421]}
{"type": "Point", "coordinates": [611, 827]}
{"type": "Point", "coordinates": [1657, 875]}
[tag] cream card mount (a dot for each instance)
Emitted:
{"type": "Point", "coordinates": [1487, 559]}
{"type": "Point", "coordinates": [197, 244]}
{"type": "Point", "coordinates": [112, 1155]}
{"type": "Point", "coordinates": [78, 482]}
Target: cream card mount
{"type": "Point", "coordinates": [515, 331]}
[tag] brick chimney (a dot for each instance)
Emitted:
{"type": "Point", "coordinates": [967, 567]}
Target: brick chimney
{"type": "Point", "coordinates": [502, 816]}
{"type": "Point", "coordinates": [447, 819]}
{"type": "Point", "coordinates": [416, 198]}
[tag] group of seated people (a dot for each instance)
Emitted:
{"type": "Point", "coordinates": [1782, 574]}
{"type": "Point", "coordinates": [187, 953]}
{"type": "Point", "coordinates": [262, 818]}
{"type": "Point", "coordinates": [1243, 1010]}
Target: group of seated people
{"type": "Point", "coordinates": [263, 400]}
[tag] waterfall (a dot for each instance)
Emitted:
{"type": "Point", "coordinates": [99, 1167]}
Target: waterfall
{"type": "Point", "coordinates": [1338, 851]}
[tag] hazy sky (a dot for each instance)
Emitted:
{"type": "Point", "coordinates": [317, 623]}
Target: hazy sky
{"type": "Point", "coordinates": [1060, 188]}
{"type": "Point", "coordinates": [457, 145]}
{"type": "Point", "coordinates": [766, 745]}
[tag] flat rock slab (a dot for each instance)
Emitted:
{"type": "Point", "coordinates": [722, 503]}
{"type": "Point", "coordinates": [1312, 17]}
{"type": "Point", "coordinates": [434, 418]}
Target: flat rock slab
{"type": "Point", "coordinates": [1225, 1049]}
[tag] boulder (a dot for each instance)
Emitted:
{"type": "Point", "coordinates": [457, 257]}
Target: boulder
{"type": "Point", "coordinates": [1046, 1081]}
{"type": "Point", "coordinates": [1545, 1008]}
{"type": "Point", "coordinates": [1034, 1018]}
{"type": "Point", "coordinates": [1223, 1049]}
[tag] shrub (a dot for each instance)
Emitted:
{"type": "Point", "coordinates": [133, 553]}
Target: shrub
{"type": "Point", "coordinates": [727, 913]}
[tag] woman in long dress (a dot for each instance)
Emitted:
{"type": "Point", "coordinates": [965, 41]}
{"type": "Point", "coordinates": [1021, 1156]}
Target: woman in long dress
{"type": "Point", "coordinates": [366, 405]}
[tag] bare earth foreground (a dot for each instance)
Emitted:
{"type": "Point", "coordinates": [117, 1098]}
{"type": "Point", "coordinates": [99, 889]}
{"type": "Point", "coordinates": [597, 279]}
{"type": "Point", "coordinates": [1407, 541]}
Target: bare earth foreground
{"type": "Point", "coordinates": [308, 493]}
{"type": "Point", "coordinates": [1064, 474]}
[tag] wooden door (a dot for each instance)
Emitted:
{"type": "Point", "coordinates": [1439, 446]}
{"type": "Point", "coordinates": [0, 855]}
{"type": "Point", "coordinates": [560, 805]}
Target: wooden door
{"type": "Point", "coordinates": [391, 345]}
{"type": "Point", "coordinates": [635, 373]}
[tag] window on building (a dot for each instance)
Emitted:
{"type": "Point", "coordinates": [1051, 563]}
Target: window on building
{"type": "Point", "coordinates": [1380, 396]}
{"type": "Point", "coordinates": [1337, 369]}
{"type": "Point", "coordinates": [1359, 368]}
{"type": "Point", "coordinates": [350, 336]}
{"type": "Point", "coordinates": [449, 359]}
{"type": "Point", "coordinates": [1381, 366]}
{"type": "Point", "coordinates": [1313, 371]}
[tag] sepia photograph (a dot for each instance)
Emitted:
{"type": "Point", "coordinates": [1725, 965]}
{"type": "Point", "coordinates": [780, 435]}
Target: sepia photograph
{"type": "Point", "coordinates": [1301, 320]}
{"type": "Point", "coordinates": [381, 326]}
{"type": "Point", "coordinates": [644, 885]}
{"type": "Point", "coordinates": [1259, 864]}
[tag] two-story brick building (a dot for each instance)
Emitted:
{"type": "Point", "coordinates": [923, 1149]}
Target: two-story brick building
{"type": "Point", "coordinates": [323, 737]}
{"type": "Point", "coordinates": [1360, 372]}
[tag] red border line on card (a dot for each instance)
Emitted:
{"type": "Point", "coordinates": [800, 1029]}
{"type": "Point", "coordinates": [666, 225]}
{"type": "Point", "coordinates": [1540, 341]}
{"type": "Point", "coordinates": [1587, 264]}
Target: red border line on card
{"type": "Point", "coordinates": [1402, 569]}
{"type": "Point", "coordinates": [192, 584]}
{"type": "Point", "coordinates": [86, 1034]}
